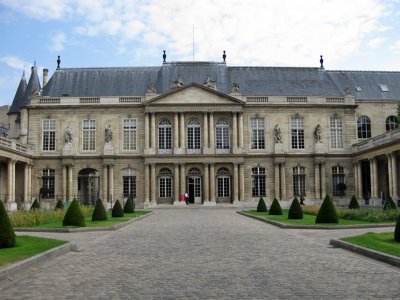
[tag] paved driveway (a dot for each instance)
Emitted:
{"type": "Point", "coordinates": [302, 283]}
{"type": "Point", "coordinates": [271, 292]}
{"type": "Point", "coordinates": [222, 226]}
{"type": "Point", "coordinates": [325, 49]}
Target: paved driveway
{"type": "Point", "coordinates": [206, 253]}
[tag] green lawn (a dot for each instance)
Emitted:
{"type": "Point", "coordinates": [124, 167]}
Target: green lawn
{"type": "Point", "coordinates": [111, 221]}
{"type": "Point", "coordinates": [26, 246]}
{"type": "Point", "coordinates": [383, 242]}
{"type": "Point", "coordinates": [307, 219]}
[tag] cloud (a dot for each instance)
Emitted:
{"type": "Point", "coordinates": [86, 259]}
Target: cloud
{"type": "Point", "coordinates": [42, 10]}
{"type": "Point", "coordinates": [396, 47]}
{"type": "Point", "coordinates": [376, 42]}
{"type": "Point", "coordinates": [16, 63]}
{"type": "Point", "coordinates": [57, 42]}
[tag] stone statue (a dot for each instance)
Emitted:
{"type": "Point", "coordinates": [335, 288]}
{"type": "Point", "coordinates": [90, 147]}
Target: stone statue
{"type": "Point", "coordinates": [235, 88]}
{"type": "Point", "coordinates": [108, 134]}
{"type": "Point", "coordinates": [317, 134]}
{"type": "Point", "coordinates": [68, 135]}
{"type": "Point", "coordinates": [151, 89]}
{"type": "Point", "coordinates": [209, 83]}
{"type": "Point", "coordinates": [277, 134]}
{"type": "Point", "coordinates": [177, 83]}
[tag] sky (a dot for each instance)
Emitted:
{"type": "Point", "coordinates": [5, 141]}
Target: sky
{"type": "Point", "coordinates": [351, 35]}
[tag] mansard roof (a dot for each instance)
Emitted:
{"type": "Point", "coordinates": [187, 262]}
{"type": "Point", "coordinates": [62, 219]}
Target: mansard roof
{"type": "Point", "coordinates": [253, 81]}
{"type": "Point", "coordinates": [19, 96]}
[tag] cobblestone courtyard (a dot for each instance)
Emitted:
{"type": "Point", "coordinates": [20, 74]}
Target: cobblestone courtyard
{"type": "Point", "coordinates": [205, 253]}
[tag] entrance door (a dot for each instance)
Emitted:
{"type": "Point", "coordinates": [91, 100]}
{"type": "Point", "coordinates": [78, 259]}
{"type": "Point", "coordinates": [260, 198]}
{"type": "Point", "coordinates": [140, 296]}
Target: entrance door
{"type": "Point", "coordinates": [194, 189]}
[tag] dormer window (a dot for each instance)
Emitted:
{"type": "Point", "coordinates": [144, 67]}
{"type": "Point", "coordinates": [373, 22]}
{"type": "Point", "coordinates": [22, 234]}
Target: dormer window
{"type": "Point", "coordinates": [358, 89]}
{"type": "Point", "coordinates": [384, 87]}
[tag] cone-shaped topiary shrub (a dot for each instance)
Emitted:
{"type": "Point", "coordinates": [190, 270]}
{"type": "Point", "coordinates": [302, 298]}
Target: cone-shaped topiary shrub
{"type": "Point", "coordinates": [7, 234]}
{"type": "Point", "coordinates": [99, 213]}
{"type": "Point", "coordinates": [275, 208]}
{"type": "Point", "coordinates": [389, 204]}
{"type": "Point", "coordinates": [117, 211]}
{"type": "Point", "coordinates": [74, 215]}
{"type": "Point", "coordinates": [397, 230]}
{"type": "Point", "coordinates": [129, 206]}
{"type": "Point", "coordinates": [354, 203]}
{"type": "Point", "coordinates": [327, 212]}
{"type": "Point", "coordinates": [295, 210]}
{"type": "Point", "coordinates": [35, 205]}
{"type": "Point", "coordinates": [59, 205]}
{"type": "Point", "coordinates": [261, 207]}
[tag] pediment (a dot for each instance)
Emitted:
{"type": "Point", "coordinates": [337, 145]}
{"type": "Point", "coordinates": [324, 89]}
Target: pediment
{"type": "Point", "coordinates": [194, 94]}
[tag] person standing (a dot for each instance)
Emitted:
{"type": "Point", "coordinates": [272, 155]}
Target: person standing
{"type": "Point", "coordinates": [187, 198]}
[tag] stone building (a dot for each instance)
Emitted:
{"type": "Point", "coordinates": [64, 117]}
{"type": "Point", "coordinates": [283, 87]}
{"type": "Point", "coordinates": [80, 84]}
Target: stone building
{"type": "Point", "coordinates": [222, 134]}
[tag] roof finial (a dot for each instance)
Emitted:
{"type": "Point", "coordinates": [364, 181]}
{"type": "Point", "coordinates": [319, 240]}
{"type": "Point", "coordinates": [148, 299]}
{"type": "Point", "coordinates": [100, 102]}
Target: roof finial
{"type": "Point", "coordinates": [164, 57]}
{"type": "Point", "coordinates": [224, 56]}
{"type": "Point", "coordinates": [321, 61]}
{"type": "Point", "coordinates": [58, 62]}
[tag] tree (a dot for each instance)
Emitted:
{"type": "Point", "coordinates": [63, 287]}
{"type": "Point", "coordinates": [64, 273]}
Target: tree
{"type": "Point", "coordinates": [59, 205]}
{"type": "Point", "coordinates": [99, 213]}
{"type": "Point", "coordinates": [261, 207]}
{"type": "Point", "coordinates": [117, 211]}
{"type": "Point", "coordinates": [35, 205]}
{"type": "Point", "coordinates": [44, 192]}
{"type": "Point", "coordinates": [327, 212]}
{"type": "Point", "coordinates": [354, 203]}
{"type": "Point", "coordinates": [389, 204]}
{"type": "Point", "coordinates": [129, 206]}
{"type": "Point", "coordinates": [341, 187]}
{"type": "Point", "coordinates": [295, 210]}
{"type": "Point", "coordinates": [74, 215]}
{"type": "Point", "coordinates": [275, 208]}
{"type": "Point", "coordinates": [7, 234]}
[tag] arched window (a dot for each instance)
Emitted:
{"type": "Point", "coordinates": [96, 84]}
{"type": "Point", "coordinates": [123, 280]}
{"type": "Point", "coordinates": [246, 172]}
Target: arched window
{"type": "Point", "coordinates": [258, 181]}
{"type": "Point", "coordinates": [193, 134]}
{"type": "Point", "coordinates": [337, 177]}
{"type": "Point", "coordinates": [299, 181]}
{"type": "Point", "coordinates": [165, 183]}
{"type": "Point", "coordinates": [129, 183]}
{"type": "Point", "coordinates": [194, 172]}
{"type": "Point", "coordinates": [391, 123]}
{"type": "Point", "coordinates": [48, 179]}
{"type": "Point", "coordinates": [363, 127]}
{"type": "Point", "coordinates": [164, 135]}
{"type": "Point", "coordinates": [223, 183]}
{"type": "Point", "coordinates": [222, 134]}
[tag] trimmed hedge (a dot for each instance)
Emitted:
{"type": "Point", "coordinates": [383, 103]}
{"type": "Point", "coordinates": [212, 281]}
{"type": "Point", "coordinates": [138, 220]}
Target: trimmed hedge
{"type": "Point", "coordinates": [327, 212]}
{"type": "Point", "coordinates": [354, 203]}
{"type": "Point", "coordinates": [117, 211]}
{"type": "Point", "coordinates": [275, 208]}
{"type": "Point", "coordinates": [74, 215]}
{"type": "Point", "coordinates": [129, 206]}
{"type": "Point", "coordinates": [295, 210]}
{"type": "Point", "coordinates": [7, 234]}
{"type": "Point", "coordinates": [389, 204]}
{"type": "Point", "coordinates": [99, 213]}
{"type": "Point", "coordinates": [397, 230]}
{"type": "Point", "coordinates": [261, 207]}
{"type": "Point", "coordinates": [35, 205]}
{"type": "Point", "coordinates": [59, 205]}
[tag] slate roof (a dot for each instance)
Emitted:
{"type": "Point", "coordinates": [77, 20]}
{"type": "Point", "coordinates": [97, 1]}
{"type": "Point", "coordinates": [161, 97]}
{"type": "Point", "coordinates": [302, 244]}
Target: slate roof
{"type": "Point", "coordinates": [253, 81]}
{"type": "Point", "coordinates": [19, 96]}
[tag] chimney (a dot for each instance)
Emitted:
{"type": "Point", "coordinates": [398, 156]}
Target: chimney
{"type": "Point", "coordinates": [45, 76]}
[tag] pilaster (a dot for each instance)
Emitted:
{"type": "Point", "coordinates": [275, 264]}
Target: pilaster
{"type": "Point", "coordinates": [235, 183]}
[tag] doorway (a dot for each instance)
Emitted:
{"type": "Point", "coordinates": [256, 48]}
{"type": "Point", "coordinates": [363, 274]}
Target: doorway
{"type": "Point", "coordinates": [88, 186]}
{"type": "Point", "coordinates": [194, 189]}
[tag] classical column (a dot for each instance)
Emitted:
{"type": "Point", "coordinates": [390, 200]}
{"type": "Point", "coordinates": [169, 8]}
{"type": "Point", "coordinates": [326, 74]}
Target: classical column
{"type": "Point", "coordinates": [153, 184]}
{"type": "Point", "coordinates": [323, 181]}
{"type": "Point", "coordinates": [176, 184]}
{"type": "Point", "coordinates": [241, 182]}
{"type": "Point", "coordinates": [235, 183]}
{"type": "Point", "coordinates": [9, 181]}
{"type": "Point", "coordinates": [212, 131]}
{"type": "Point", "coordinates": [146, 131]}
{"type": "Point", "coordinates": [64, 182]}
{"type": "Point", "coordinates": [359, 178]}
{"type": "Point", "coordinates": [355, 170]}
{"type": "Point", "coordinates": [234, 130]}
{"type": "Point", "coordinates": [317, 178]}
{"type": "Point", "coordinates": [395, 176]}
{"type": "Point", "coordinates": [111, 182]}
{"type": "Point", "coordinates": [176, 132]}
{"type": "Point", "coordinates": [26, 183]}
{"type": "Point", "coordinates": [241, 130]}
{"type": "Point", "coordinates": [212, 183]}
{"type": "Point", "coordinates": [283, 181]}
{"type": "Point", "coordinates": [105, 183]}
{"type": "Point", "coordinates": [30, 182]}
{"type": "Point", "coordinates": [374, 179]}
{"type": "Point", "coordinates": [205, 131]}
{"type": "Point", "coordinates": [277, 181]}
{"type": "Point", "coordinates": [153, 131]}
{"type": "Point", "coordinates": [13, 179]}
{"type": "Point", "coordinates": [70, 183]}
{"type": "Point", "coordinates": [182, 131]}
{"type": "Point", "coordinates": [183, 179]}
{"type": "Point", "coordinates": [390, 173]}
{"type": "Point", "coordinates": [146, 184]}
{"type": "Point", "coordinates": [206, 183]}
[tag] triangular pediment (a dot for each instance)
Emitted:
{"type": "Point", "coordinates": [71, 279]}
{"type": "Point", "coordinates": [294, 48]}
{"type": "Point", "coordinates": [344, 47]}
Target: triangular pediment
{"type": "Point", "coordinates": [194, 94]}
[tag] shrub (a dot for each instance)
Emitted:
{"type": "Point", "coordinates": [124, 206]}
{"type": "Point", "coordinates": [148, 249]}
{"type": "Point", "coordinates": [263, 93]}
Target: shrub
{"type": "Point", "coordinates": [354, 203]}
{"type": "Point", "coordinates": [117, 211]}
{"type": "Point", "coordinates": [397, 230]}
{"type": "Point", "coordinates": [7, 234]}
{"type": "Point", "coordinates": [295, 211]}
{"type": "Point", "coordinates": [35, 204]}
{"type": "Point", "coordinates": [74, 215]}
{"type": "Point", "coordinates": [341, 187]}
{"type": "Point", "coordinates": [59, 205]}
{"type": "Point", "coordinates": [368, 214]}
{"type": "Point", "coordinates": [261, 207]}
{"type": "Point", "coordinates": [99, 213]}
{"type": "Point", "coordinates": [389, 204]}
{"type": "Point", "coordinates": [275, 208]}
{"type": "Point", "coordinates": [327, 212]}
{"type": "Point", "coordinates": [129, 206]}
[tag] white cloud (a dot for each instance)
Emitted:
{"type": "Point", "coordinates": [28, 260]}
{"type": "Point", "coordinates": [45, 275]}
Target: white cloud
{"type": "Point", "coordinates": [16, 63]}
{"type": "Point", "coordinates": [396, 47]}
{"type": "Point", "coordinates": [376, 42]}
{"type": "Point", "coordinates": [57, 42]}
{"type": "Point", "coordinates": [41, 9]}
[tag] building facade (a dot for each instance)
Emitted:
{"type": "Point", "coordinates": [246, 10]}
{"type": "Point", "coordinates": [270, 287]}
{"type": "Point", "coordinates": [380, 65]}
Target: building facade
{"type": "Point", "coordinates": [222, 134]}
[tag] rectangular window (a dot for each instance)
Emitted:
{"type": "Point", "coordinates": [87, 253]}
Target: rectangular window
{"type": "Point", "coordinates": [49, 135]}
{"type": "Point", "coordinates": [297, 126]}
{"type": "Point", "coordinates": [336, 133]}
{"type": "Point", "coordinates": [223, 186]}
{"type": "Point", "coordinates": [48, 182]}
{"type": "Point", "coordinates": [222, 137]}
{"type": "Point", "coordinates": [257, 133]}
{"type": "Point", "coordinates": [258, 182]}
{"type": "Point", "coordinates": [165, 187]}
{"type": "Point", "coordinates": [129, 134]}
{"type": "Point", "coordinates": [337, 177]}
{"type": "Point", "coordinates": [193, 137]}
{"type": "Point", "coordinates": [89, 135]}
{"type": "Point", "coordinates": [129, 186]}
